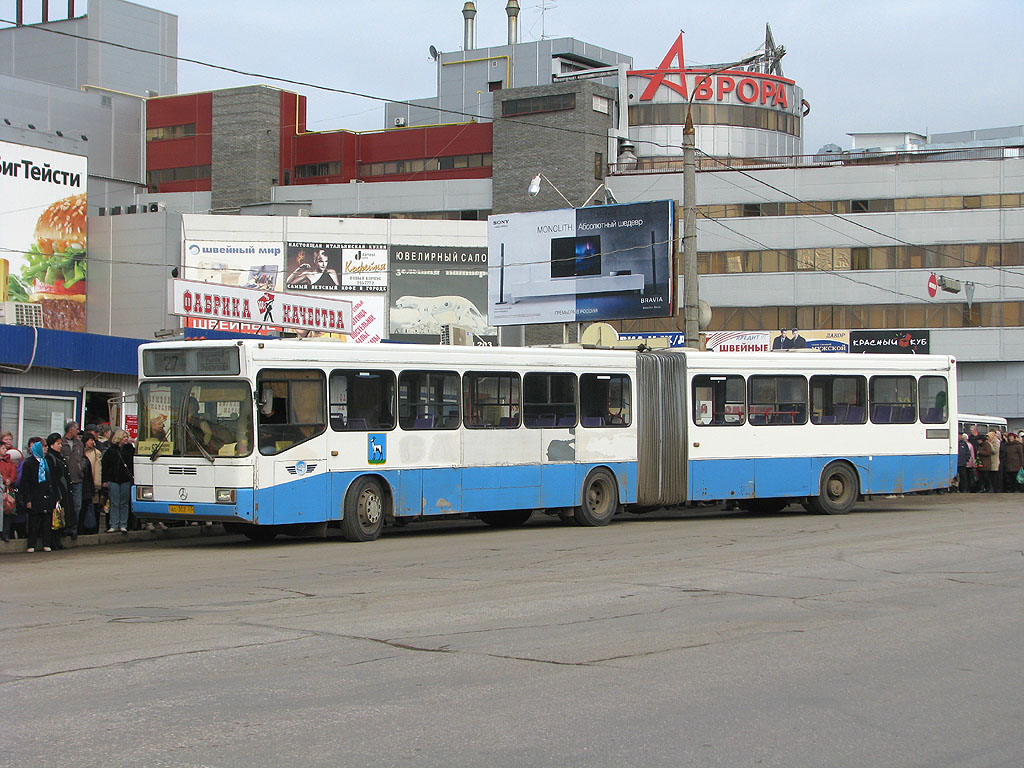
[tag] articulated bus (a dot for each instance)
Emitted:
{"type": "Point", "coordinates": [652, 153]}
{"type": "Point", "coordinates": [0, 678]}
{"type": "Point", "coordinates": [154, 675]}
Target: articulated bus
{"type": "Point", "coordinates": [285, 436]}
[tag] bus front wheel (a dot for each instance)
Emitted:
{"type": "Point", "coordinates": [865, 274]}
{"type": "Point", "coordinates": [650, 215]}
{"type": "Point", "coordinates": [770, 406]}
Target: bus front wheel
{"type": "Point", "coordinates": [600, 499]}
{"type": "Point", "coordinates": [838, 491]}
{"type": "Point", "coordinates": [365, 508]}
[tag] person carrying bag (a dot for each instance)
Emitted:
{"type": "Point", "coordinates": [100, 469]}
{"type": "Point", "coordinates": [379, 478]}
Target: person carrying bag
{"type": "Point", "coordinates": [41, 492]}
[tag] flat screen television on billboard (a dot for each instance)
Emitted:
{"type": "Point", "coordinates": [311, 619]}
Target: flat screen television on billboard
{"type": "Point", "coordinates": [576, 256]}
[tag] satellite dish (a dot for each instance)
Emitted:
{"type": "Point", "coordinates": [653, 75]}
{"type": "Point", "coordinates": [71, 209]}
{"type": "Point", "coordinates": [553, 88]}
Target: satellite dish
{"type": "Point", "coordinates": [599, 335]}
{"type": "Point", "coordinates": [433, 53]}
{"type": "Point", "coordinates": [703, 315]}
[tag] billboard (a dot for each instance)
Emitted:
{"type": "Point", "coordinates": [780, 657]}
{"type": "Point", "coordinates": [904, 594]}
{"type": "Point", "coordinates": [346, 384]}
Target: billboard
{"type": "Point", "coordinates": [435, 285]}
{"type": "Point", "coordinates": [607, 262]}
{"type": "Point", "coordinates": [891, 342]}
{"type": "Point", "coordinates": [44, 225]}
{"type": "Point", "coordinates": [816, 341]}
{"type": "Point", "coordinates": [203, 301]}
{"type": "Point", "coordinates": [319, 266]}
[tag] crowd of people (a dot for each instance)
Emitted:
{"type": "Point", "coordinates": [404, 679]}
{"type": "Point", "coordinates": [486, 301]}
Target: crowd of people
{"type": "Point", "coordinates": [991, 463]}
{"type": "Point", "coordinates": [61, 486]}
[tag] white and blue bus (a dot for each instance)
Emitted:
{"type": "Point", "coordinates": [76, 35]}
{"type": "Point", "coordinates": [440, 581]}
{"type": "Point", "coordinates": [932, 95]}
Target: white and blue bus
{"type": "Point", "coordinates": [286, 436]}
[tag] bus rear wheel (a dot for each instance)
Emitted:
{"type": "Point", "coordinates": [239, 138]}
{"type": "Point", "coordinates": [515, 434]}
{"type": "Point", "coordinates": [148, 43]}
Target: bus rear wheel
{"type": "Point", "coordinates": [506, 518]}
{"type": "Point", "coordinates": [365, 509]}
{"type": "Point", "coordinates": [837, 493]}
{"type": "Point", "coordinates": [600, 500]}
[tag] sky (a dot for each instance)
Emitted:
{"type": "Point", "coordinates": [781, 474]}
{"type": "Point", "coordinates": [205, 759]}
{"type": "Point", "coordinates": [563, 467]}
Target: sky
{"type": "Point", "coordinates": [864, 66]}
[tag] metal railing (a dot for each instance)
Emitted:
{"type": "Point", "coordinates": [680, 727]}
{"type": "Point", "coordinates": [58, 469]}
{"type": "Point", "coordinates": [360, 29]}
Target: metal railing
{"type": "Point", "coordinates": [709, 164]}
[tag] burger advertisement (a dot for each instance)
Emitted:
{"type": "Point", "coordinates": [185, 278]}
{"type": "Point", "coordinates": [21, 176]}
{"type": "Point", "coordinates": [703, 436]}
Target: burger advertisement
{"type": "Point", "coordinates": [43, 226]}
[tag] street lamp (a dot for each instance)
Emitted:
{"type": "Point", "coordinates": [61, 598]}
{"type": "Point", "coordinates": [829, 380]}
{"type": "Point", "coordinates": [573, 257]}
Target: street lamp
{"type": "Point", "coordinates": [534, 189]}
{"type": "Point", "coordinates": [691, 310]}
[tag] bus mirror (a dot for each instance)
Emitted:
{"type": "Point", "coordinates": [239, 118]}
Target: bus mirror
{"type": "Point", "coordinates": [266, 401]}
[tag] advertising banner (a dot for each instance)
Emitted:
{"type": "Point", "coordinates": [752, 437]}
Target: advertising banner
{"type": "Point", "coordinates": [195, 300]}
{"type": "Point", "coordinates": [603, 262]}
{"type": "Point", "coordinates": [738, 341]}
{"type": "Point", "coordinates": [891, 342]}
{"type": "Point", "coordinates": [319, 266]}
{"type": "Point", "coordinates": [249, 264]}
{"type": "Point", "coordinates": [816, 341]}
{"type": "Point", "coordinates": [433, 286]}
{"type": "Point", "coordinates": [43, 221]}
{"type": "Point", "coordinates": [674, 339]}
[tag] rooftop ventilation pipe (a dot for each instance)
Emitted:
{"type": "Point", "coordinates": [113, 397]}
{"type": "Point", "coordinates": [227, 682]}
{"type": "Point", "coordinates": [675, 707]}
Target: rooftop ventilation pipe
{"type": "Point", "coordinates": [512, 9]}
{"type": "Point", "coordinates": [469, 33]}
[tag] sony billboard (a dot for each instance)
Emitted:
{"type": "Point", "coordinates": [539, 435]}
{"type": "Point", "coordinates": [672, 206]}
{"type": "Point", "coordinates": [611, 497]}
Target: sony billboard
{"type": "Point", "coordinates": [606, 262]}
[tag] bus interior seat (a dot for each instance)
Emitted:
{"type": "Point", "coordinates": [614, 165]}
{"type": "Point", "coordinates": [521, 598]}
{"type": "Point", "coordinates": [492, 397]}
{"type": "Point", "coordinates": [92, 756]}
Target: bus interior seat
{"type": "Point", "coordinates": [423, 422]}
{"type": "Point", "coordinates": [546, 420]}
{"type": "Point", "coordinates": [881, 414]}
{"type": "Point", "coordinates": [357, 424]}
{"type": "Point", "coordinates": [591, 421]}
{"type": "Point", "coordinates": [566, 421]}
{"type": "Point", "coordinates": [855, 415]}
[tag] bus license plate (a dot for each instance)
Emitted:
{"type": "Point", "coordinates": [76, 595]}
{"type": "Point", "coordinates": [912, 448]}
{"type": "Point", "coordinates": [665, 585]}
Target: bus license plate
{"type": "Point", "coordinates": [182, 509]}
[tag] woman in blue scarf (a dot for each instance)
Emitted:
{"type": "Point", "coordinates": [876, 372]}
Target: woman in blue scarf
{"type": "Point", "coordinates": [38, 484]}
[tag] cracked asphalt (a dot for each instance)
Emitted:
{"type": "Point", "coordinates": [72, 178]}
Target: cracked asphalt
{"type": "Point", "coordinates": [892, 636]}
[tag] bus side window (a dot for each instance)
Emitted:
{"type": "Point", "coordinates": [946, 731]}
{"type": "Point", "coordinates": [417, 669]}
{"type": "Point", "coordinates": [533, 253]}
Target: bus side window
{"type": "Point", "coordinates": [838, 399]}
{"type": "Point", "coordinates": [428, 400]}
{"type": "Point", "coordinates": [549, 399]}
{"type": "Point", "coordinates": [893, 399]}
{"type": "Point", "coordinates": [934, 394]}
{"type": "Point", "coordinates": [491, 400]}
{"type": "Point", "coordinates": [299, 409]}
{"type": "Point", "coordinates": [605, 400]}
{"type": "Point", "coordinates": [362, 400]}
{"type": "Point", "coordinates": [778, 399]}
{"type": "Point", "coordinates": [720, 400]}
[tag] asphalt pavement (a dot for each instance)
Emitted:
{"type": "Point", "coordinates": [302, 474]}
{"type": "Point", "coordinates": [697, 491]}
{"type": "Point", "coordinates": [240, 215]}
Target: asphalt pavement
{"type": "Point", "coordinates": [887, 637]}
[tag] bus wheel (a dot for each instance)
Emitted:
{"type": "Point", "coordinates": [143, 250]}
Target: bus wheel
{"type": "Point", "coordinates": [763, 506]}
{"type": "Point", "coordinates": [365, 507]}
{"type": "Point", "coordinates": [838, 491]}
{"type": "Point", "coordinates": [506, 518]}
{"type": "Point", "coordinates": [600, 499]}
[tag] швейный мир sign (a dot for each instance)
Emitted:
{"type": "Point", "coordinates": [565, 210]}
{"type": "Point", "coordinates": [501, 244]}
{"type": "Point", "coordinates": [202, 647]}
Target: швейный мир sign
{"type": "Point", "coordinates": [233, 304]}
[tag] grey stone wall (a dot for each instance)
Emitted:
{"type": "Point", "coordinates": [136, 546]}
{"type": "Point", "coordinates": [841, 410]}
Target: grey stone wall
{"type": "Point", "coordinates": [246, 152]}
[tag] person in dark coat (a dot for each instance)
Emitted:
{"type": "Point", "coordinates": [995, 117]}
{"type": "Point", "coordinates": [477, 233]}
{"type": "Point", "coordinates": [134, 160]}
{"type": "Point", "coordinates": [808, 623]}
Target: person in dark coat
{"type": "Point", "coordinates": [118, 473]}
{"type": "Point", "coordinates": [55, 457]}
{"type": "Point", "coordinates": [964, 464]}
{"type": "Point", "coordinates": [41, 491]}
{"type": "Point", "coordinates": [1011, 462]}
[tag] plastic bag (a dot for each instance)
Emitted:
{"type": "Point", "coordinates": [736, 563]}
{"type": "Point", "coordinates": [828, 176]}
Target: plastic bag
{"type": "Point", "coordinates": [58, 517]}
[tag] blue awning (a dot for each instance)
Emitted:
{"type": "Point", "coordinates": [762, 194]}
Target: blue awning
{"type": "Point", "coordinates": [21, 345]}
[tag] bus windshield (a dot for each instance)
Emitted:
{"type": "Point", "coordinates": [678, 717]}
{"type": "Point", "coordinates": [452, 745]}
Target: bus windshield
{"type": "Point", "coordinates": [195, 418]}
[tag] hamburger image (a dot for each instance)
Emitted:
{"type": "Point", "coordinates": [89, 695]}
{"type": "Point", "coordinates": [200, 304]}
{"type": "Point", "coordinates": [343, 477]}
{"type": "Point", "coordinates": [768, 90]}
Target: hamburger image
{"type": "Point", "coordinates": [53, 275]}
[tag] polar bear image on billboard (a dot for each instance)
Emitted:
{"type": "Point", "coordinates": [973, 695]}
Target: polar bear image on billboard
{"type": "Point", "coordinates": [427, 314]}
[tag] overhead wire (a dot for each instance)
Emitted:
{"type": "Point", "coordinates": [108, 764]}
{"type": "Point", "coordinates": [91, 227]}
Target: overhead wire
{"type": "Point", "coordinates": [519, 121]}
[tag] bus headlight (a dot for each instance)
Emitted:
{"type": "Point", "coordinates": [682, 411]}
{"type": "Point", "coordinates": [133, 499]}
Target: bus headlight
{"type": "Point", "coordinates": [144, 492]}
{"type": "Point", "coordinates": [225, 495]}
